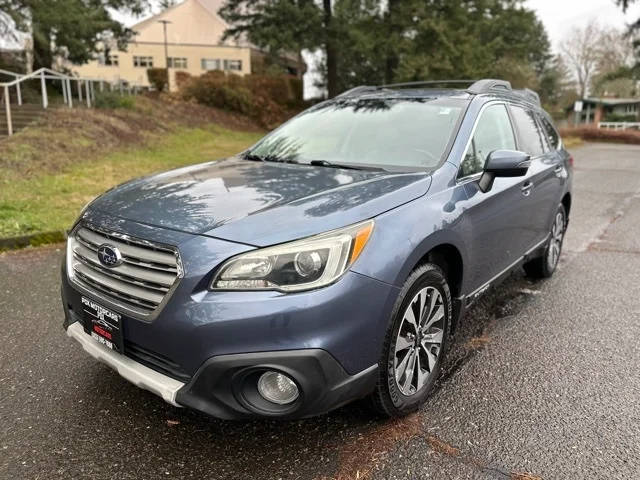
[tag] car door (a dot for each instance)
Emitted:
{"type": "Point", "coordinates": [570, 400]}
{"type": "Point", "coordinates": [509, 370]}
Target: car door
{"type": "Point", "coordinates": [493, 219]}
{"type": "Point", "coordinates": [554, 187]}
{"type": "Point", "coordinates": [542, 182]}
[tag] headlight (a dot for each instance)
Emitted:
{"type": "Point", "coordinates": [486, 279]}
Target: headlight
{"type": "Point", "coordinates": [301, 265]}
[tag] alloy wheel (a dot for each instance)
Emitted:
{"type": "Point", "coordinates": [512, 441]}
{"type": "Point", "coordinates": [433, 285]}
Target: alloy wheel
{"type": "Point", "coordinates": [555, 242]}
{"type": "Point", "coordinates": [419, 340]}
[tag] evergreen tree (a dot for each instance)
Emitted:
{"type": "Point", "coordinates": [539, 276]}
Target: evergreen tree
{"type": "Point", "coordinates": [72, 28]}
{"type": "Point", "coordinates": [286, 26]}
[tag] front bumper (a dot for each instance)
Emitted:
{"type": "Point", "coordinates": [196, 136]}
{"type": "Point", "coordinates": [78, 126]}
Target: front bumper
{"type": "Point", "coordinates": [225, 386]}
{"type": "Point", "coordinates": [141, 376]}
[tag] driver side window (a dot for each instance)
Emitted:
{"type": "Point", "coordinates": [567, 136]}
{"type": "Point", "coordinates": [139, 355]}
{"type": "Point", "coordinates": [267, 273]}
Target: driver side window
{"type": "Point", "coordinates": [493, 132]}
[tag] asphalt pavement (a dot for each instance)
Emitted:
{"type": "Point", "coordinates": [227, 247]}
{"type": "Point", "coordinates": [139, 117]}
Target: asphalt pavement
{"type": "Point", "coordinates": [542, 382]}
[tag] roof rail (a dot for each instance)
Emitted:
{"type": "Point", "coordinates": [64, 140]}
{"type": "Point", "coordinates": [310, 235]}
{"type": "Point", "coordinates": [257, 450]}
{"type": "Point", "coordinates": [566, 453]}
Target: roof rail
{"type": "Point", "coordinates": [530, 95]}
{"type": "Point", "coordinates": [359, 89]}
{"type": "Point", "coordinates": [487, 84]}
{"type": "Point", "coordinates": [427, 83]}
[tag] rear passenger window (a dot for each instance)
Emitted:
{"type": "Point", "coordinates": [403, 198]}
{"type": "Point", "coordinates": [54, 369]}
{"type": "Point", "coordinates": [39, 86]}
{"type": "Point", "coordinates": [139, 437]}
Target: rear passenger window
{"type": "Point", "coordinates": [550, 131]}
{"type": "Point", "coordinates": [493, 132]}
{"type": "Point", "coordinates": [529, 134]}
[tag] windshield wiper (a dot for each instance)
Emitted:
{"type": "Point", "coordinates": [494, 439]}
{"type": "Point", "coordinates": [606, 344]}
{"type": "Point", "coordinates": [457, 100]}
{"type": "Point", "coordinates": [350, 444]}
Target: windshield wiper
{"type": "Point", "coordinates": [346, 166]}
{"type": "Point", "coordinates": [253, 157]}
{"type": "Point", "coordinates": [267, 158]}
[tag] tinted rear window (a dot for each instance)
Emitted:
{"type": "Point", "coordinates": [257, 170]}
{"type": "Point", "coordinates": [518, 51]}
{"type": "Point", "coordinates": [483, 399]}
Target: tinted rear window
{"type": "Point", "coordinates": [550, 131]}
{"type": "Point", "coordinates": [529, 134]}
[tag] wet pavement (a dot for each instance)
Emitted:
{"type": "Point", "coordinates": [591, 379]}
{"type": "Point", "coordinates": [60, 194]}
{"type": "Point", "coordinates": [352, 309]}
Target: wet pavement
{"type": "Point", "coordinates": [542, 381]}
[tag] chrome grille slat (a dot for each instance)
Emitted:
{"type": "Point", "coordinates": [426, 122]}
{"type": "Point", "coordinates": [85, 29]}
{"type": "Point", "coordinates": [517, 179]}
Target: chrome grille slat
{"type": "Point", "coordinates": [117, 285]}
{"type": "Point", "coordinates": [133, 261]}
{"type": "Point", "coordinates": [140, 283]}
{"type": "Point", "coordinates": [137, 274]}
{"type": "Point", "coordinates": [147, 307]}
{"type": "Point", "coordinates": [127, 249]}
{"type": "Point", "coordinates": [137, 306]}
{"type": "Point", "coordinates": [124, 278]}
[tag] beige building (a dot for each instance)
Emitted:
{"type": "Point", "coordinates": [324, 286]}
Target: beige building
{"type": "Point", "coordinates": [194, 45]}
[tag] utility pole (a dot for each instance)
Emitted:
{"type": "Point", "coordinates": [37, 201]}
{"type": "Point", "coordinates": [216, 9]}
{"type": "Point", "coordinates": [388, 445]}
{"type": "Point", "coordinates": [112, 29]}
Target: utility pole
{"type": "Point", "coordinates": [166, 50]}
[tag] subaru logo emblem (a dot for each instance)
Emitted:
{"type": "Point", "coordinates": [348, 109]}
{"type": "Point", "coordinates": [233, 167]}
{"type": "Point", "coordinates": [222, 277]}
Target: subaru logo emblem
{"type": "Point", "coordinates": [109, 255]}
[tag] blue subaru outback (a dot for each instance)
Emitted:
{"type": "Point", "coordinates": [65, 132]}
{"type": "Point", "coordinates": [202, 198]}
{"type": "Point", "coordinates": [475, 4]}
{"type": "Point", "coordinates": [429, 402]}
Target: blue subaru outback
{"type": "Point", "coordinates": [329, 262]}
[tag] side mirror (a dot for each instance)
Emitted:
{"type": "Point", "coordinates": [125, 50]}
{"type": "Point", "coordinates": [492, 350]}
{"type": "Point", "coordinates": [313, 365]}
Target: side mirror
{"type": "Point", "coordinates": [503, 163]}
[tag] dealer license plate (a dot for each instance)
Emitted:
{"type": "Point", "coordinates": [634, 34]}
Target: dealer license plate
{"type": "Point", "coordinates": [104, 325]}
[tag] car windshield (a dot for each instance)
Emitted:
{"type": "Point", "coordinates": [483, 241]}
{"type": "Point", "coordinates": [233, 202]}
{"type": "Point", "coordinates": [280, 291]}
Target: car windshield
{"type": "Point", "coordinates": [385, 133]}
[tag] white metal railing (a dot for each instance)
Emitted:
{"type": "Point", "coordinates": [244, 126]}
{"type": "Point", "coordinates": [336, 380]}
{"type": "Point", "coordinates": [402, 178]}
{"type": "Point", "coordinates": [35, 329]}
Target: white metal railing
{"type": "Point", "coordinates": [85, 89]}
{"type": "Point", "coordinates": [619, 125]}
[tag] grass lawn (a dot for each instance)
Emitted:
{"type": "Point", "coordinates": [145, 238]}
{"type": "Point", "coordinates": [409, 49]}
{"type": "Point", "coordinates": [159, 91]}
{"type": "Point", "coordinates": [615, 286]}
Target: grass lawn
{"type": "Point", "coordinates": [51, 202]}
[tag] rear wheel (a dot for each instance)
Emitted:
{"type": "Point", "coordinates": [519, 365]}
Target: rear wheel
{"type": "Point", "coordinates": [415, 343]}
{"type": "Point", "coordinates": [544, 265]}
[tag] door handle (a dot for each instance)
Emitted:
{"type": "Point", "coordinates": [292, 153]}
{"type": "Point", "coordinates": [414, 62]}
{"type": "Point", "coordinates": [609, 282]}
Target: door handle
{"type": "Point", "coordinates": [558, 170]}
{"type": "Point", "coordinates": [526, 188]}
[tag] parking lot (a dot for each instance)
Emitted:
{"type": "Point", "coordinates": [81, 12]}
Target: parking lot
{"type": "Point", "coordinates": [542, 380]}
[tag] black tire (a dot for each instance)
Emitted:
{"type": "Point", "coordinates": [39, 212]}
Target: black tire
{"type": "Point", "coordinates": [388, 398]}
{"type": "Point", "coordinates": [544, 265]}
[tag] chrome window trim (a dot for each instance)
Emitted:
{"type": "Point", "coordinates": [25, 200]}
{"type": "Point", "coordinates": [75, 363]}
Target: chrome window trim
{"type": "Point", "coordinates": [471, 177]}
{"type": "Point", "coordinates": [112, 302]}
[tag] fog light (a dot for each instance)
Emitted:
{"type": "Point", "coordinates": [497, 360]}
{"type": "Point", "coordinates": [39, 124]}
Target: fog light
{"type": "Point", "coordinates": [277, 388]}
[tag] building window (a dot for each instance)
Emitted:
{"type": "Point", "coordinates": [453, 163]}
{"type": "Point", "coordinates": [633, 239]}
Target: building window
{"type": "Point", "coordinates": [177, 62]}
{"type": "Point", "coordinates": [210, 64]}
{"type": "Point", "coordinates": [109, 60]}
{"type": "Point", "coordinates": [234, 65]}
{"type": "Point", "coordinates": [631, 108]}
{"type": "Point", "coordinates": [143, 61]}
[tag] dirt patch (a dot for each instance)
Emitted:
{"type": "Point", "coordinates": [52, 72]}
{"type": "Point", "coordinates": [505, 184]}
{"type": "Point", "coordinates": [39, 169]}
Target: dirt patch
{"type": "Point", "coordinates": [362, 456]}
{"type": "Point", "coordinates": [524, 476]}
{"type": "Point", "coordinates": [478, 342]}
{"type": "Point", "coordinates": [439, 446]}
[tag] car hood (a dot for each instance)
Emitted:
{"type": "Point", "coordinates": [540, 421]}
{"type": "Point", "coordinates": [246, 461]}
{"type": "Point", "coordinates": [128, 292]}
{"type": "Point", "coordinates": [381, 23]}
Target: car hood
{"type": "Point", "coordinates": [260, 203]}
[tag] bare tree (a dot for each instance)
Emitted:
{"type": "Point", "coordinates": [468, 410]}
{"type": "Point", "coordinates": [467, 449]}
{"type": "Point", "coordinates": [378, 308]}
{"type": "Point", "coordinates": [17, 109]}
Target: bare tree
{"type": "Point", "coordinates": [615, 58]}
{"type": "Point", "coordinates": [581, 48]}
{"type": "Point", "coordinates": [615, 49]}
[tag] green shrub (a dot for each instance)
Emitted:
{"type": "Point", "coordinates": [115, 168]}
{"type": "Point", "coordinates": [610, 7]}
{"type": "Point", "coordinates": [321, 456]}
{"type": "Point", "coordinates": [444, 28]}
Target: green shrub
{"type": "Point", "coordinates": [616, 117]}
{"type": "Point", "coordinates": [111, 100]}
{"type": "Point", "coordinates": [215, 89]}
{"type": "Point", "coordinates": [268, 99]}
{"type": "Point", "coordinates": [159, 78]}
{"type": "Point", "coordinates": [182, 78]}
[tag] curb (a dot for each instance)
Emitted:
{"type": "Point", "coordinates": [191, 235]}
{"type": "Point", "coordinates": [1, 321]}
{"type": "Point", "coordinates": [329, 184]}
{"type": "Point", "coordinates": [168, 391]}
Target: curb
{"type": "Point", "coordinates": [32, 240]}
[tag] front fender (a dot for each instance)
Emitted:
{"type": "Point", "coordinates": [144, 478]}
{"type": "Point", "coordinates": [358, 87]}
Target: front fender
{"type": "Point", "coordinates": [403, 236]}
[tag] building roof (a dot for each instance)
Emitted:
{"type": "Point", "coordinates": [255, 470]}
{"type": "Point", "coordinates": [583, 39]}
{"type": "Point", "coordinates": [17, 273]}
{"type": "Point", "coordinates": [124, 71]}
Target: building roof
{"type": "Point", "coordinates": [213, 6]}
{"type": "Point", "coordinates": [612, 101]}
{"type": "Point", "coordinates": [191, 22]}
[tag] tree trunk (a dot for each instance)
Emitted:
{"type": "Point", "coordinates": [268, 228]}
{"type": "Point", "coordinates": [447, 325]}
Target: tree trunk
{"type": "Point", "coordinates": [42, 54]}
{"type": "Point", "coordinates": [391, 60]}
{"type": "Point", "coordinates": [330, 51]}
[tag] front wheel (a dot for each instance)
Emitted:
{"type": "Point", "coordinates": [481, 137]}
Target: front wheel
{"type": "Point", "coordinates": [415, 343]}
{"type": "Point", "coordinates": [544, 265]}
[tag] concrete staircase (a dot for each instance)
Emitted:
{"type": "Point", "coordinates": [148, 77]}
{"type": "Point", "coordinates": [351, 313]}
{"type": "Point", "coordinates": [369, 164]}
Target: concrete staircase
{"type": "Point", "coordinates": [21, 116]}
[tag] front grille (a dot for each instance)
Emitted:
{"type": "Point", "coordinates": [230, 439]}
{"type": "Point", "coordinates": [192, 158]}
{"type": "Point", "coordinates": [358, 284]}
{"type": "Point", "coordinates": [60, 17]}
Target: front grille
{"type": "Point", "coordinates": [155, 361]}
{"type": "Point", "coordinates": [140, 284]}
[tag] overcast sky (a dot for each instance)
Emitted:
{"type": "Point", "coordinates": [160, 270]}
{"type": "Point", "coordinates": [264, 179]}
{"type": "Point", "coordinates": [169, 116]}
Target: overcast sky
{"type": "Point", "coordinates": [559, 16]}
